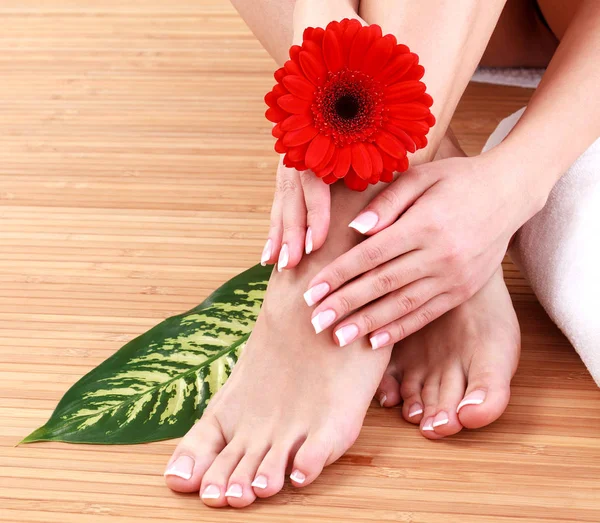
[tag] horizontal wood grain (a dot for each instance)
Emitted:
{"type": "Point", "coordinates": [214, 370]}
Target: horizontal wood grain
{"type": "Point", "coordinates": [136, 173]}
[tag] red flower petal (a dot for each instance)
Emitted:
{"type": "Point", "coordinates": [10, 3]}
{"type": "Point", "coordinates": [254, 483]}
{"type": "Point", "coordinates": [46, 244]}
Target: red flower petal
{"type": "Point", "coordinates": [360, 44]}
{"type": "Point", "coordinates": [387, 176]}
{"type": "Point", "coordinates": [328, 169]}
{"type": "Point", "coordinates": [293, 68]}
{"type": "Point", "coordinates": [408, 111]}
{"type": "Point", "coordinates": [293, 105]}
{"type": "Point", "coordinates": [426, 100]}
{"type": "Point", "coordinates": [317, 150]}
{"type": "Point", "coordinates": [404, 92]}
{"type": "Point", "coordinates": [376, 159]}
{"type": "Point", "coordinates": [403, 166]}
{"type": "Point", "coordinates": [300, 166]}
{"type": "Point", "coordinates": [406, 140]}
{"type": "Point", "coordinates": [354, 182]}
{"type": "Point", "coordinates": [389, 162]}
{"type": "Point", "coordinates": [348, 37]}
{"type": "Point", "coordinates": [298, 153]}
{"type": "Point", "coordinates": [343, 162]}
{"type": "Point", "coordinates": [299, 87]}
{"type": "Point", "coordinates": [317, 35]}
{"type": "Point", "coordinates": [411, 127]}
{"type": "Point", "coordinates": [332, 51]}
{"type": "Point", "coordinates": [279, 147]}
{"type": "Point", "coordinates": [390, 144]}
{"type": "Point", "coordinates": [416, 73]}
{"type": "Point", "coordinates": [325, 161]}
{"type": "Point", "coordinates": [294, 52]}
{"type": "Point", "coordinates": [396, 67]}
{"type": "Point", "coordinates": [275, 114]}
{"type": "Point", "coordinates": [295, 122]}
{"type": "Point", "coordinates": [378, 55]}
{"type": "Point", "coordinates": [361, 161]}
{"type": "Point", "coordinates": [277, 131]}
{"type": "Point", "coordinates": [421, 141]}
{"type": "Point", "coordinates": [279, 74]}
{"type": "Point", "coordinates": [294, 138]}
{"type": "Point", "coordinates": [279, 90]}
{"type": "Point", "coordinates": [430, 120]}
{"type": "Point", "coordinates": [271, 99]}
{"type": "Point", "coordinates": [313, 69]}
{"type": "Point", "coordinates": [329, 179]}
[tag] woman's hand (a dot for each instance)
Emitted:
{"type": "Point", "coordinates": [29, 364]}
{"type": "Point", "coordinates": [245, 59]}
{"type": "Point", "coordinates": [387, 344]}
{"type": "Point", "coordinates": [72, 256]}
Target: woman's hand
{"type": "Point", "coordinates": [440, 230]}
{"type": "Point", "coordinates": [299, 217]}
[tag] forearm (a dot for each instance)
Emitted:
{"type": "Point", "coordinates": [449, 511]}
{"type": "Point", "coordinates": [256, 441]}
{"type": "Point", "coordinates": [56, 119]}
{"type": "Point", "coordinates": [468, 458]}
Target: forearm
{"type": "Point", "coordinates": [563, 118]}
{"type": "Point", "coordinates": [449, 37]}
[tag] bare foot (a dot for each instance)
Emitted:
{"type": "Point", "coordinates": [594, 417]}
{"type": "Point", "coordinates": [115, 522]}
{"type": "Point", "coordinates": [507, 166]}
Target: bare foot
{"type": "Point", "coordinates": [456, 371]}
{"type": "Point", "coordinates": [294, 402]}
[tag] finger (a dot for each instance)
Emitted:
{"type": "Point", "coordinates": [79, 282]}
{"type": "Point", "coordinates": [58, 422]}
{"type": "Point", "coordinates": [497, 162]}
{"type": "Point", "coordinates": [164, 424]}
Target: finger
{"type": "Point", "coordinates": [388, 244]}
{"type": "Point", "coordinates": [390, 203]}
{"type": "Point", "coordinates": [374, 284]}
{"type": "Point", "coordinates": [272, 246]}
{"type": "Point", "coordinates": [411, 323]}
{"type": "Point", "coordinates": [318, 204]}
{"type": "Point", "coordinates": [294, 218]}
{"type": "Point", "coordinates": [395, 305]}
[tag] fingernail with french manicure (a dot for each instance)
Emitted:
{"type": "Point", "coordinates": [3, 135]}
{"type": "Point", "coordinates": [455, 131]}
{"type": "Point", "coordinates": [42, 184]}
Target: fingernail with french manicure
{"type": "Point", "coordinates": [441, 418]}
{"type": "Point", "coordinates": [284, 257]}
{"type": "Point", "coordinates": [211, 492]}
{"type": "Point", "coordinates": [477, 397]}
{"type": "Point", "coordinates": [266, 254]}
{"type": "Point", "coordinates": [415, 410]}
{"type": "Point", "coordinates": [380, 340]}
{"type": "Point", "coordinates": [316, 293]}
{"type": "Point", "coordinates": [297, 476]}
{"type": "Point", "coordinates": [234, 491]}
{"type": "Point", "coordinates": [346, 334]}
{"type": "Point", "coordinates": [364, 222]}
{"type": "Point", "coordinates": [323, 320]}
{"type": "Point", "coordinates": [308, 243]}
{"type": "Point", "coordinates": [182, 467]}
{"type": "Point", "coordinates": [260, 482]}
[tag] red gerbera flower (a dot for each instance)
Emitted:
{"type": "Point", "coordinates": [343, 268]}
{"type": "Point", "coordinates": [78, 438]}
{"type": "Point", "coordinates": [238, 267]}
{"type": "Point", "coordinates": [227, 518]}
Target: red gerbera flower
{"type": "Point", "coordinates": [349, 104]}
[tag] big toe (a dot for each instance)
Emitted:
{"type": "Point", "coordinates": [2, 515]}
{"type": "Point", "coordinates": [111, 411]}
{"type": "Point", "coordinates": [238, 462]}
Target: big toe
{"type": "Point", "coordinates": [388, 392]}
{"type": "Point", "coordinates": [193, 456]}
{"type": "Point", "coordinates": [486, 399]}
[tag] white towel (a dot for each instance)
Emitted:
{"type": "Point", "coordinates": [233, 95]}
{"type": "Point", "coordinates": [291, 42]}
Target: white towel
{"type": "Point", "coordinates": [558, 251]}
{"type": "Point", "coordinates": [519, 76]}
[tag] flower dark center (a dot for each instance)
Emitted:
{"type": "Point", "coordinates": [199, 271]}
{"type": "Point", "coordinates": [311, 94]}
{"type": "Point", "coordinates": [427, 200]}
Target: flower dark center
{"type": "Point", "coordinates": [348, 107]}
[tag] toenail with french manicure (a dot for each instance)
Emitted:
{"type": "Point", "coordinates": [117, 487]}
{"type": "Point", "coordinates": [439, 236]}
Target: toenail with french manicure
{"type": "Point", "coordinates": [428, 425]}
{"type": "Point", "coordinates": [297, 476]}
{"type": "Point", "coordinates": [260, 482]}
{"type": "Point", "coordinates": [380, 340]}
{"type": "Point", "coordinates": [323, 320]}
{"type": "Point", "coordinates": [308, 243]}
{"type": "Point", "coordinates": [182, 467]}
{"type": "Point", "coordinates": [382, 399]}
{"type": "Point", "coordinates": [346, 334]}
{"type": "Point", "coordinates": [415, 410]}
{"type": "Point", "coordinates": [234, 491]}
{"type": "Point", "coordinates": [266, 254]}
{"type": "Point", "coordinates": [364, 222]}
{"type": "Point", "coordinates": [441, 418]}
{"type": "Point", "coordinates": [284, 257]}
{"type": "Point", "coordinates": [477, 397]}
{"type": "Point", "coordinates": [316, 293]}
{"type": "Point", "coordinates": [211, 492]}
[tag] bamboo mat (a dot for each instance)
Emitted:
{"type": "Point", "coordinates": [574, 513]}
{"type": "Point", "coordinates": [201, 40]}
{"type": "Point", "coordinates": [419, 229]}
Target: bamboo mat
{"type": "Point", "coordinates": [136, 172]}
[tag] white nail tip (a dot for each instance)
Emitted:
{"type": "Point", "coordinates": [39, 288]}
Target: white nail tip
{"type": "Point", "coordinates": [415, 413]}
{"type": "Point", "coordinates": [308, 247]}
{"type": "Point", "coordinates": [361, 228]}
{"type": "Point", "coordinates": [440, 423]}
{"type": "Point", "coordinates": [178, 473]}
{"type": "Point", "coordinates": [464, 403]}
{"type": "Point", "coordinates": [382, 399]}
{"type": "Point", "coordinates": [308, 298]}
{"type": "Point", "coordinates": [234, 492]}
{"type": "Point", "coordinates": [316, 324]}
{"type": "Point", "coordinates": [297, 477]}
{"type": "Point", "coordinates": [259, 482]}
{"type": "Point", "coordinates": [427, 428]}
{"type": "Point", "coordinates": [266, 254]}
{"type": "Point", "coordinates": [340, 336]}
{"type": "Point", "coordinates": [284, 258]}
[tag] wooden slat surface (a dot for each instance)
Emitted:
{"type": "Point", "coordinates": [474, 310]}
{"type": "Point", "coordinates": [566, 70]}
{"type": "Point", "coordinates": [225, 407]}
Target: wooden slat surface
{"type": "Point", "coordinates": [136, 171]}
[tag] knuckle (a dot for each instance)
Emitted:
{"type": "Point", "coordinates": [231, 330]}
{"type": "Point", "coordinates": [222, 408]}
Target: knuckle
{"type": "Point", "coordinates": [371, 255]}
{"type": "Point", "coordinates": [344, 304]}
{"type": "Point", "coordinates": [369, 321]}
{"type": "Point", "coordinates": [389, 199]}
{"type": "Point", "coordinates": [385, 283]}
{"type": "Point", "coordinates": [424, 316]}
{"type": "Point", "coordinates": [400, 332]}
{"type": "Point", "coordinates": [286, 186]}
{"type": "Point", "coordinates": [337, 276]}
{"type": "Point", "coordinates": [404, 303]}
{"type": "Point", "coordinates": [292, 228]}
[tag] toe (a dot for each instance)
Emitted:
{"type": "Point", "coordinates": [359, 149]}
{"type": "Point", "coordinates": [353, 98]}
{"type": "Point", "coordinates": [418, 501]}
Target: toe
{"type": "Point", "coordinates": [430, 395]}
{"type": "Point", "coordinates": [487, 396]}
{"type": "Point", "coordinates": [194, 455]}
{"type": "Point", "coordinates": [216, 479]}
{"type": "Point", "coordinates": [410, 390]}
{"type": "Point", "coordinates": [310, 459]}
{"type": "Point", "coordinates": [452, 389]}
{"type": "Point", "coordinates": [240, 492]}
{"type": "Point", "coordinates": [270, 476]}
{"type": "Point", "coordinates": [388, 393]}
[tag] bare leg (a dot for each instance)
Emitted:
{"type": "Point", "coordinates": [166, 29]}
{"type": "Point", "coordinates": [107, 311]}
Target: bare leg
{"type": "Point", "coordinates": [294, 400]}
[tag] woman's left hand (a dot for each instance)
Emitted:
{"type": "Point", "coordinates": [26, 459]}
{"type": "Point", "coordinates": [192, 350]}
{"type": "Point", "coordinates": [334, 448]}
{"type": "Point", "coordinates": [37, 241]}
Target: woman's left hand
{"type": "Point", "coordinates": [440, 231]}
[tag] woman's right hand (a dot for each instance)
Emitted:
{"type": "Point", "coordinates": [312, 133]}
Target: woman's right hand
{"type": "Point", "coordinates": [299, 217]}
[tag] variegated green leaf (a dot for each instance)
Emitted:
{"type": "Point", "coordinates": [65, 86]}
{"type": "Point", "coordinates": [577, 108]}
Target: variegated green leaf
{"type": "Point", "coordinates": [158, 385]}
